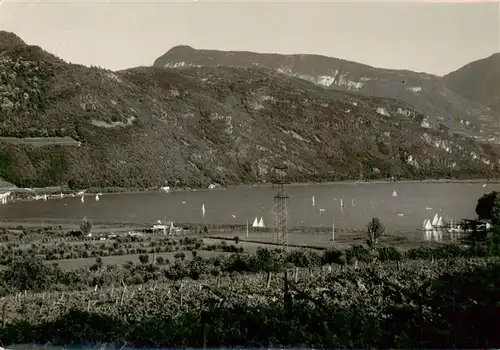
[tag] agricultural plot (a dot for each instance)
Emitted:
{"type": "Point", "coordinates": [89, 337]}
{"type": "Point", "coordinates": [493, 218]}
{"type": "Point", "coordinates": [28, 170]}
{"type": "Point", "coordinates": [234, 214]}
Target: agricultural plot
{"type": "Point", "coordinates": [200, 291]}
{"type": "Point", "coordinates": [74, 264]}
{"type": "Point", "coordinates": [320, 240]}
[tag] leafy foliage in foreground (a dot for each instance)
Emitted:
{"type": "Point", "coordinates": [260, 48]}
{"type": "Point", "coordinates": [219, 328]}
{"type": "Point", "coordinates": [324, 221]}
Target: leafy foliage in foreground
{"type": "Point", "coordinates": [393, 304]}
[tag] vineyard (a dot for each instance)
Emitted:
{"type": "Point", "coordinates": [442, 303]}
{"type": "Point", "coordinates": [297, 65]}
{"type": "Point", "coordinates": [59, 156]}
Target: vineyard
{"type": "Point", "coordinates": [393, 304]}
{"type": "Point", "coordinates": [221, 294]}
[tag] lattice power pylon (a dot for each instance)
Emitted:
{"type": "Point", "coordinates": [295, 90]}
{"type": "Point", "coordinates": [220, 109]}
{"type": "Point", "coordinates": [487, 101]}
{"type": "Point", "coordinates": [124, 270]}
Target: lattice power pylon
{"type": "Point", "coordinates": [281, 209]}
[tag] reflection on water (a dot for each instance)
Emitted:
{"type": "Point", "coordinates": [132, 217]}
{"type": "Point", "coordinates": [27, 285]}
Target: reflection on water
{"type": "Point", "coordinates": [442, 235]}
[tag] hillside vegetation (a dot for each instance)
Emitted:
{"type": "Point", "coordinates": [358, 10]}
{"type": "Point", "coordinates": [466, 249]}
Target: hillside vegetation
{"type": "Point", "coordinates": [461, 100]}
{"type": "Point", "coordinates": [478, 80]}
{"type": "Point", "coordinates": [149, 126]}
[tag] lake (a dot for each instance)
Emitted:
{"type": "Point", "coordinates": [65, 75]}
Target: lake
{"type": "Point", "coordinates": [362, 201]}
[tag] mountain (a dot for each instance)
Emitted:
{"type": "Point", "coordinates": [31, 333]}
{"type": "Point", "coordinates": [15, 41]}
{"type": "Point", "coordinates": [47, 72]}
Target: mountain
{"type": "Point", "coordinates": [429, 94]}
{"type": "Point", "coordinates": [68, 124]}
{"type": "Point", "coordinates": [479, 81]}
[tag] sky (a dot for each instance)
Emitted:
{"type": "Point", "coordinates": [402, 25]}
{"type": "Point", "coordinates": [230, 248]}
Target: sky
{"type": "Point", "coordinates": [422, 36]}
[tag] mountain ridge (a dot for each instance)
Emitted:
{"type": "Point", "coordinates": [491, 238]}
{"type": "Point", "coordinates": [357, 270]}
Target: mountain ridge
{"type": "Point", "coordinates": [428, 93]}
{"type": "Point", "coordinates": [478, 80]}
{"type": "Point", "coordinates": [150, 126]}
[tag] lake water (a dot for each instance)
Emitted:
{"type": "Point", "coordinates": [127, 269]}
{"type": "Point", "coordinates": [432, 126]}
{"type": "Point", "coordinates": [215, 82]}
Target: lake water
{"type": "Point", "coordinates": [362, 201]}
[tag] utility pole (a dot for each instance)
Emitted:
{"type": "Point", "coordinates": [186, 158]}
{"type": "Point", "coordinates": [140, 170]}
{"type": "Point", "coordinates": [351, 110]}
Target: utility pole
{"type": "Point", "coordinates": [281, 209]}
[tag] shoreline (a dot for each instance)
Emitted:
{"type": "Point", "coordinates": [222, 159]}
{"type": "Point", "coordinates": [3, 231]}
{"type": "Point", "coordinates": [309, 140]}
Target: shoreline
{"type": "Point", "coordinates": [120, 190]}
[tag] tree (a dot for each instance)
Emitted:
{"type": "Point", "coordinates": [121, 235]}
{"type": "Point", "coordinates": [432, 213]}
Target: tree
{"type": "Point", "coordinates": [488, 207]}
{"type": "Point", "coordinates": [375, 230]}
{"type": "Point", "coordinates": [144, 258]}
{"type": "Point", "coordinates": [86, 226]}
{"type": "Point", "coordinates": [30, 274]}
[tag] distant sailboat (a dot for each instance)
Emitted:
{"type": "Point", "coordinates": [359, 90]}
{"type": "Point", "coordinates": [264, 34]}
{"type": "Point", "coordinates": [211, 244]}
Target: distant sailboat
{"type": "Point", "coordinates": [261, 222]}
{"type": "Point", "coordinates": [255, 222]}
{"type": "Point", "coordinates": [428, 225]}
{"type": "Point", "coordinates": [45, 197]}
{"type": "Point", "coordinates": [61, 195]}
{"type": "Point", "coordinates": [203, 209]}
{"type": "Point", "coordinates": [97, 197]}
{"type": "Point", "coordinates": [435, 220]}
{"type": "Point", "coordinates": [394, 193]}
{"type": "Point", "coordinates": [440, 222]}
{"type": "Point", "coordinates": [82, 199]}
{"type": "Point", "coordinates": [313, 201]}
{"type": "Point", "coordinates": [341, 203]}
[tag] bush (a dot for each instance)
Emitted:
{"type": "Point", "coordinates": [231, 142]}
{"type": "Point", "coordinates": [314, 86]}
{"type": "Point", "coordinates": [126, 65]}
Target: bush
{"type": "Point", "coordinates": [86, 226]}
{"type": "Point", "coordinates": [375, 231]}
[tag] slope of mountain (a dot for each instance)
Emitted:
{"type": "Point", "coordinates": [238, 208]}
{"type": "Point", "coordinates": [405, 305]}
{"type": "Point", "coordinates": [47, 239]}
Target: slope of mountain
{"type": "Point", "coordinates": [479, 81]}
{"type": "Point", "coordinates": [68, 124]}
{"type": "Point", "coordinates": [425, 92]}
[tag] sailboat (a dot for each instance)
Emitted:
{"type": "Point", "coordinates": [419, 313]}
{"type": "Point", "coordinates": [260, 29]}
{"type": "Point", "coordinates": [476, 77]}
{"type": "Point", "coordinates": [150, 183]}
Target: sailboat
{"type": "Point", "coordinates": [341, 203]}
{"type": "Point", "coordinates": [255, 222]}
{"type": "Point", "coordinates": [97, 197]}
{"type": "Point", "coordinates": [313, 201]}
{"type": "Point", "coordinates": [45, 196]}
{"type": "Point", "coordinates": [428, 225]}
{"type": "Point", "coordinates": [203, 209]}
{"type": "Point", "coordinates": [82, 199]}
{"type": "Point", "coordinates": [394, 193]}
{"type": "Point", "coordinates": [440, 222]}
{"type": "Point", "coordinates": [435, 220]}
{"type": "Point", "coordinates": [261, 222]}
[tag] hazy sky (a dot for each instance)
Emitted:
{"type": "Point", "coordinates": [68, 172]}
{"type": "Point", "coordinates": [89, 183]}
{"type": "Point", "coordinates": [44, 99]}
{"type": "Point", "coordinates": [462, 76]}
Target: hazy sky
{"type": "Point", "coordinates": [430, 37]}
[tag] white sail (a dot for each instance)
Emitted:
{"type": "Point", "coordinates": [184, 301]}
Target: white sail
{"type": "Point", "coordinates": [428, 225]}
{"type": "Point", "coordinates": [313, 201]}
{"type": "Point", "coordinates": [255, 222]}
{"type": "Point", "coordinates": [45, 196]}
{"type": "Point", "coordinates": [435, 219]}
{"type": "Point", "coordinates": [61, 195]}
{"type": "Point", "coordinates": [261, 222]}
{"type": "Point", "coordinates": [82, 199]}
{"type": "Point", "coordinates": [394, 193]}
{"type": "Point", "coordinates": [203, 209]}
{"type": "Point", "coordinates": [424, 223]}
{"type": "Point", "coordinates": [97, 197]}
{"type": "Point", "coordinates": [341, 203]}
{"type": "Point", "coordinates": [440, 222]}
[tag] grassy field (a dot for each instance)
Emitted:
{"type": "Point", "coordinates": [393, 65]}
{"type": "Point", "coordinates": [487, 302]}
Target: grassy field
{"type": "Point", "coordinates": [73, 264]}
{"type": "Point", "coordinates": [319, 240]}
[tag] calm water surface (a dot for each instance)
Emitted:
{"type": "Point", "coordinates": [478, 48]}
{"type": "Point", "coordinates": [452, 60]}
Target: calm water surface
{"type": "Point", "coordinates": [362, 201]}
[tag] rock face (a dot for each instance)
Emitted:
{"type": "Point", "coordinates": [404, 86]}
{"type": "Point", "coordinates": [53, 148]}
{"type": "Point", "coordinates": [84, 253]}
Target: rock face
{"type": "Point", "coordinates": [467, 100]}
{"type": "Point", "coordinates": [69, 124]}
